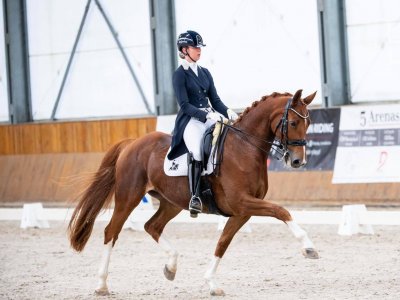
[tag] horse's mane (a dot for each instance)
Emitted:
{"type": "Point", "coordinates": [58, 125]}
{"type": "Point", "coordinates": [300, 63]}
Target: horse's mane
{"type": "Point", "coordinates": [255, 103]}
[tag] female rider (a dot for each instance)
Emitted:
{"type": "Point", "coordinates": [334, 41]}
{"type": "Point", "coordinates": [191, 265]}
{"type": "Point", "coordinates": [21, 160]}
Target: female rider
{"type": "Point", "coordinates": [200, 108]}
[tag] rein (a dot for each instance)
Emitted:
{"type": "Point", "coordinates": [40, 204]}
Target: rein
{"type": "Point", "coordinates": [281, 145]}
{"type": "Point", "coordinates": [246, 135]}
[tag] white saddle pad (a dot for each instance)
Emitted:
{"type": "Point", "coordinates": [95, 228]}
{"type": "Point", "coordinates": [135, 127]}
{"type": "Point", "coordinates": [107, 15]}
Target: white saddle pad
{"type": "Point", "coordinates": [179, 166]}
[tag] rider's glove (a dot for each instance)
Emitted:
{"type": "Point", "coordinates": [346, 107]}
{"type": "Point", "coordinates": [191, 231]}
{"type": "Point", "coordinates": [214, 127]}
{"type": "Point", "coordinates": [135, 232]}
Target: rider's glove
{"type": "Point", "coordinates": [232, 115]}
{"type": "Point", "coordinates": [216, 117]}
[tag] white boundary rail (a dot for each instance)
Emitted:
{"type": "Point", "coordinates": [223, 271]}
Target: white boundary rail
{"type": "Point", "coordinates": [300, 216]}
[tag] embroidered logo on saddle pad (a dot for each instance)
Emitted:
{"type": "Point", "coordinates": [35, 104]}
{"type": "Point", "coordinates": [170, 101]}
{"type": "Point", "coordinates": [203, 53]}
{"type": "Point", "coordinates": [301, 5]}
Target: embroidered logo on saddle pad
{"type": "Point", "coordinates": [179, 166]}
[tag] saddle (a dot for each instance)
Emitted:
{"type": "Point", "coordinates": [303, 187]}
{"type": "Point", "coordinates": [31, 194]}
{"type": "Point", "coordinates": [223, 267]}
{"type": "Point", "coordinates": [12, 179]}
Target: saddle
{"type": "Point", "coordinates": [213, 140]}
{"type": "Point", "coordinates": [213, 143]}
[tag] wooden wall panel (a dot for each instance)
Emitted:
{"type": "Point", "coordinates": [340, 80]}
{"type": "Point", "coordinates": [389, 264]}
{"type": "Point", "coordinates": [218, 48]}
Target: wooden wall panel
{"type": "Point", "coordinates": [55, 178]}
{"type": "Point", "coordinates": [6, 142]}
{"type": "Point", "coordinates": [316, 188]}
{"type": "Point", "coordinates": [69, 137]}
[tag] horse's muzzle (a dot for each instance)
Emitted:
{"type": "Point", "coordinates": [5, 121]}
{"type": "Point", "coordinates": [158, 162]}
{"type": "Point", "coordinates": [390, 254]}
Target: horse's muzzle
{"type": "Point", "coordinates": [295, 160]}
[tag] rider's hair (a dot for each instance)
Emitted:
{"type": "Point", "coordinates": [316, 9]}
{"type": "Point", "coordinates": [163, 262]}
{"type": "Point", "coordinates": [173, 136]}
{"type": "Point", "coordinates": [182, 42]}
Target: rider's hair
{"type": "Point", "coordinates": [181, 55]}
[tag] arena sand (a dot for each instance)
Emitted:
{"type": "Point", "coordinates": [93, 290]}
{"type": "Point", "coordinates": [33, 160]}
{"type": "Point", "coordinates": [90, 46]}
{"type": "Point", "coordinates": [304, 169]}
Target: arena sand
{"type": "Point", "coordinates": [264, 264]}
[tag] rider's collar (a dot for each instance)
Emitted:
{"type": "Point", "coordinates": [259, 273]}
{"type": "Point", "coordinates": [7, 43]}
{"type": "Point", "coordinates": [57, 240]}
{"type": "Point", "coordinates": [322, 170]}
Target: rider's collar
{"type": "Point", "coordinates": [193, 65]}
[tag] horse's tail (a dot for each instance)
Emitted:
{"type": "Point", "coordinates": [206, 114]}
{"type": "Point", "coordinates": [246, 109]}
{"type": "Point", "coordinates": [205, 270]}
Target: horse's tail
{"type": "Point", "coordinates": [96, 196]}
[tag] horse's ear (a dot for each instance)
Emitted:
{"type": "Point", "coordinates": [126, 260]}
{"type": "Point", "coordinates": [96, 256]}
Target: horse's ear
{"type": "Point", "coordinates": [307, 100]}
{"type": "Point", "coordinates": [296, 97]}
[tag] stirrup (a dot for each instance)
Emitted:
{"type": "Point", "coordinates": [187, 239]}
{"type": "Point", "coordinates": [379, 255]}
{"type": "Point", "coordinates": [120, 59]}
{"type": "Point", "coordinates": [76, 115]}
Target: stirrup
{"type": "Point", "coordinates": [195, 206]}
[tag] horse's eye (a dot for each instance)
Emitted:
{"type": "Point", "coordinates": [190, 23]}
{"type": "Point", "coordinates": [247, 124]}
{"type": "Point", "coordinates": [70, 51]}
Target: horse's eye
{"type": "Point", "coordinates": [292, 123]}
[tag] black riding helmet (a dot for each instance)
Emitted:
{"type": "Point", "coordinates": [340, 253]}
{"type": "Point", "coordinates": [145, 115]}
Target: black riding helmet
{"type": "Point", "coordinates": [189, 38]}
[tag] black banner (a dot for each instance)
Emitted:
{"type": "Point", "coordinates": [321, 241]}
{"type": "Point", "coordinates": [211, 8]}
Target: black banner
{"type": "Point", "coordinates": [322, 140]}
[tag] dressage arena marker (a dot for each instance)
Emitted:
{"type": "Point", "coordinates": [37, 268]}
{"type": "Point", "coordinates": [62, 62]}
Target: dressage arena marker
{"type": "Point", "coordinates": [33, 216]}
{"type": "Point", "coordinates": [300, 216]}
{"type": "Point", "coordinates": [350, 221]}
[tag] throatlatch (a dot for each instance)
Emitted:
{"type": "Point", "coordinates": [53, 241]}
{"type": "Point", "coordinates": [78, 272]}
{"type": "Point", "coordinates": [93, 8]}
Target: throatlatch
{"type": "Point", "coordinates": [195, 168]}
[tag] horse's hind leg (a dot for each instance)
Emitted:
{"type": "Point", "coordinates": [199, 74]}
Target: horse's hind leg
{"type": "Point", "coordinates": [125, 202]}
{"type": "Point", "coordinates": [231, 228]}
{"type": "Point", "coordinates": [258, 207]}
{"type": "Point", "coordinates": [155, 227]}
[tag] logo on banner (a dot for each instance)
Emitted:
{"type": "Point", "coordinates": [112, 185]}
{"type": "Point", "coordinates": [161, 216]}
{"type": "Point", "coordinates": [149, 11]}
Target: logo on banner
{"type": "Point", "coordinates": [382, 160]}
{"type": "Point", "coordinates": [374, 118]}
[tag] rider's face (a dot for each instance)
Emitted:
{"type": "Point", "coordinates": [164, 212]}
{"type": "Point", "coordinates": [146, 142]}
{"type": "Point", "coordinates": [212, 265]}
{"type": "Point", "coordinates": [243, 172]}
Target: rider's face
{"type": "Point", "coordinates": [194, 53]}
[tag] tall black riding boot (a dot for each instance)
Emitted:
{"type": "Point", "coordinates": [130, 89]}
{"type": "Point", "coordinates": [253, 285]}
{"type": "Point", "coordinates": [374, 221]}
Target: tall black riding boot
{"type": "Point", "coordinates": [195, 169]}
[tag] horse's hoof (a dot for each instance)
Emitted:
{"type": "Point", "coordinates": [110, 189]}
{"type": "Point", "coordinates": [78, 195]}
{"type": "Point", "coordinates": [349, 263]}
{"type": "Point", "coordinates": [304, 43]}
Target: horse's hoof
{"type": "Point", "coordinates": [217, 292]}
{"type": "Point", "coordinates": [310, 253]}
{"type": "Point", "coordinates": [102, 292]}
{"type": "Point", "coordinates": [168, 274]}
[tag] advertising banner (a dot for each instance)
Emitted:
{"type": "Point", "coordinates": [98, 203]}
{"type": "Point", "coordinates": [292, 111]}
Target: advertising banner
{"type": "Point", "coordinates": [369, 145]}
{"type": "Point", "coordinates": [322, 140]}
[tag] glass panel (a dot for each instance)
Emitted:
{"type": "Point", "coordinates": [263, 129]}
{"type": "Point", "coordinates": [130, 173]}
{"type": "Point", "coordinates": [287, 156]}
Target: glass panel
{"type": "Point", "coordinates": [374, 49]}
{"type": "Point", "coordinates": [255, 48]}
{"type": "Point", "coordinates": [99, 83]}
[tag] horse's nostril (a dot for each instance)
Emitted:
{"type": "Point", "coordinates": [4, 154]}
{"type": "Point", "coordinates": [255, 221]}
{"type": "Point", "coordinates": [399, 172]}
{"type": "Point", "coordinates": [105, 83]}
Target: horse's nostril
{"type": "Point", "coordinates": [296, 163]}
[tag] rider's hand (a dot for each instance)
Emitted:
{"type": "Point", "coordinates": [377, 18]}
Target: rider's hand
{"type": "Point", "coordinates": [232, 115]}
{"type": "Point", "coordinates": [216, 117]}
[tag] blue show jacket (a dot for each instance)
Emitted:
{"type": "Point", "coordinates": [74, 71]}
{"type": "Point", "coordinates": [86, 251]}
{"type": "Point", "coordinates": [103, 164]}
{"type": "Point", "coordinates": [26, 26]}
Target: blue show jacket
{"type": "Point", "coordinates": [192, 93]}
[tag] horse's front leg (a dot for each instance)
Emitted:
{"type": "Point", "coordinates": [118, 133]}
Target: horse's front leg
{"type": "Point", "coordinates": [257, 207]}
{"type": "Point", "coordinates": [230, 229]}
{"type": "Point", "coordinates": [308, 248]}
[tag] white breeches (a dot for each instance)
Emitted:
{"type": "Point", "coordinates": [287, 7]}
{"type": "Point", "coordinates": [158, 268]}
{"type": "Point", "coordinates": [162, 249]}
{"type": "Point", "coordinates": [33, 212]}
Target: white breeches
{"type": "Point", "coordinates": [194, 132]}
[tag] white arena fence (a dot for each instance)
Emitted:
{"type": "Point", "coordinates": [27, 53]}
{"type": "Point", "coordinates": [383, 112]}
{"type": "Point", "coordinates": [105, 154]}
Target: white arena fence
{"type": "Point", "coordinates": [333, 217]}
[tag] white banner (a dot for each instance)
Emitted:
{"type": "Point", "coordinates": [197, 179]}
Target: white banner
{"type": "Point", "coordinates": [369, 145]}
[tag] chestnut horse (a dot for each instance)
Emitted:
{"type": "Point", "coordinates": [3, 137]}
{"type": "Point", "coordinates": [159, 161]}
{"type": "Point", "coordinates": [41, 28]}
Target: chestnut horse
{"type": "Point", "coordinates": [132, 168]}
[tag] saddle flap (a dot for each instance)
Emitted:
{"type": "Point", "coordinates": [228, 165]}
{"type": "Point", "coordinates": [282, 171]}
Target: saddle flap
{"type": "Point", "coordinates": [206, 145]}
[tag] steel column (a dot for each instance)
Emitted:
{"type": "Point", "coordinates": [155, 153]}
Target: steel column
{"type": "Point", "coordinates": [17, 58]}
{"type": "Point", "coordinates": [163, 37]}
{"type": "Point", "coordinates": [333, 52]}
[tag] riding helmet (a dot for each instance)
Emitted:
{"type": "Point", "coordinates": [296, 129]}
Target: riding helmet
{"type": "Point", "coordinates": [189, 38]}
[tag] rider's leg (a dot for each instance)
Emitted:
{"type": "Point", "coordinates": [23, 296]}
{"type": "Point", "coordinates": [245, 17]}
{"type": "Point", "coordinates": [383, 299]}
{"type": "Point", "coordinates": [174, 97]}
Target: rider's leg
{"type": "Point", "coordinates": [195, 169]}
{"type": "Point", "coordinates": [192, 136]}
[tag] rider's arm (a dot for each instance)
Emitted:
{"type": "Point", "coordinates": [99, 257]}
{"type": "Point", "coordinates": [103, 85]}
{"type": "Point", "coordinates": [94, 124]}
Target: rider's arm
{"type": "Point", "coordinates": [183, 98]}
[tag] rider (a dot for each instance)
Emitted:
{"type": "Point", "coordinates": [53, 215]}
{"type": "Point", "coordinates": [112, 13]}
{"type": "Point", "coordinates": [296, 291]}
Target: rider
{"type": "Point", "coordinates": [200, 108]}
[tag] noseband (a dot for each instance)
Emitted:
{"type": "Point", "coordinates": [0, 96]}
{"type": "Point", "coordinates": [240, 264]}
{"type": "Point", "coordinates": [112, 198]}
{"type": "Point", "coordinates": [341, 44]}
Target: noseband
{"type": "Point", "coordinates": [278, 146]}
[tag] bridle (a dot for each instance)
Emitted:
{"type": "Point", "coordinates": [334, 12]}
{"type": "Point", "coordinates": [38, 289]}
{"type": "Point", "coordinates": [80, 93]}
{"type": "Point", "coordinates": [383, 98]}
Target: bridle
{"type": "Point", "coordinates": [284, 142]}
{"type": "Point", "coordinates": [279, 147]}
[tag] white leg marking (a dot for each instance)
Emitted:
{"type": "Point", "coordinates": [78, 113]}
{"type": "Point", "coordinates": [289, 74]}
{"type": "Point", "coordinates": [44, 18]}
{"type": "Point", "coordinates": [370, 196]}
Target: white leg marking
{"type": "Point", "coordinates": [171, 252]}
{"type": "Point", "coordinates": [210, 277]}
{"type": "Point", "coordinates": [103, 270]}
{"type": "Point", "coordinates": [300, 234]}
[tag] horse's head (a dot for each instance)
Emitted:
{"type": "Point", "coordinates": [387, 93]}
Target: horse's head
{"type": "Point", "coordinates": [290, 128]}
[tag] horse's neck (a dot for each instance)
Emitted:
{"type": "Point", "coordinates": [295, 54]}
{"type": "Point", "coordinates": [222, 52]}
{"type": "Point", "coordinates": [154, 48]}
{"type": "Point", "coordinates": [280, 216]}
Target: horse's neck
{"type": "Point", "coordinates": [257, 122]}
